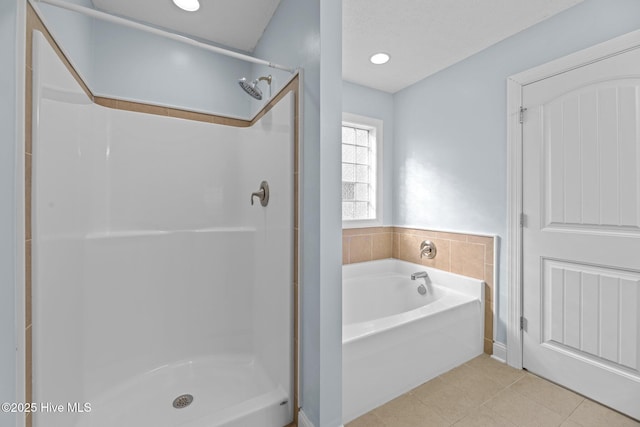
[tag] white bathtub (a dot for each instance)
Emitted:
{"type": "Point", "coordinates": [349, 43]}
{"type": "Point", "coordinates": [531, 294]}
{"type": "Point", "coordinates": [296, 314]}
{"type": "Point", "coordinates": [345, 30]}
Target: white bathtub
{"type": "Point", "coordinates": [394, 339]}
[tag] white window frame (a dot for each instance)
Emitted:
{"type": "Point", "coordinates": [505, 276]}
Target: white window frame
{"type": "Point", "coordinates": [375, 127]}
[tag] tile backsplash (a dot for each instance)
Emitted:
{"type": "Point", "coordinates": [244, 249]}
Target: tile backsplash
{"type": "Point", "coordinates": [467, 254]}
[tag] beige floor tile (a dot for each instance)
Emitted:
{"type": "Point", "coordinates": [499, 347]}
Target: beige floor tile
{"type": "Point", "coordinates": [367, 420]}
{"type": "Point", "coordinates": [556, 398]}
{"type": "Point", "coordinates": [591, 414]}
{"type": "Point", "coordinates": [449, 401]}
{"type": "Point", "coordinates": [408, 411]}
{"type": "Point", "coordinates": [500, 373]}
{"type": "Point", "coordinates": [477, 386]}
{"type": "Point", "coordinates": [523, 411]}
{"type": "Point", "coordinates": [484, 417]}
{"type": "Point", "coordinates": [456, 374]}
{"type": "Point", "coordinates": [528, 401]}
{"type": "Point", "coordinates": [433, 386]}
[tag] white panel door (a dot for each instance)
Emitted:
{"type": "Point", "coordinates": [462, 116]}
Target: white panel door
{"type": "Point", "coordinates": [581, 235]}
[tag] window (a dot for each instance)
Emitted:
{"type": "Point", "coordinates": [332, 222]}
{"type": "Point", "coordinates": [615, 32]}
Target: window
{"type": "Point", "coordinates": [361, 154]}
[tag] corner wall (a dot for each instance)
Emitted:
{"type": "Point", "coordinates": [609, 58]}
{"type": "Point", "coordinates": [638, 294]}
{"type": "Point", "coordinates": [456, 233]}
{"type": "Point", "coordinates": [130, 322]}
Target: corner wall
{"type": "Point", "coordinates": [307, 33]}
{"type": "Point", "coordinates": [450, 141]}
{"type": "Point", "coordinates": [9, 57]}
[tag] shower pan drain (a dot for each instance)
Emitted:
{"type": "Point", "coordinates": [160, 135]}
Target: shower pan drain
{"type": "Point", "coordinates": [182, 401]}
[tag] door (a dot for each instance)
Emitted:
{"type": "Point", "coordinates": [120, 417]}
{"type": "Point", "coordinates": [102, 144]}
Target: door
{"type": "Point", "coordinates": [581, 230]}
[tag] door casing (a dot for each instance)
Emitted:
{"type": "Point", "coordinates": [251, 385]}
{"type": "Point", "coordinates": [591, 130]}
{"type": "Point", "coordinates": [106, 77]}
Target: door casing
{"type": "Point", "coordinates": [515, 85]}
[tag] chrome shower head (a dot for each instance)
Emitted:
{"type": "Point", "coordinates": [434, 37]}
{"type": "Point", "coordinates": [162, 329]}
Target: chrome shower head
{"type": "Point", "coordinates": [252, 88]}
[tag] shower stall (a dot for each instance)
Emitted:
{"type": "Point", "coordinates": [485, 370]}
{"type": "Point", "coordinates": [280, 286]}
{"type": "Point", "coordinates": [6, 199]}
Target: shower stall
{"type": "Point", "coordinates": [163, 277]}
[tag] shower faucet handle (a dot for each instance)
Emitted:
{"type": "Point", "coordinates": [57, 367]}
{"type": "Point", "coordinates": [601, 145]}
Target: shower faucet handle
{"type": "Point", "coordinates": [262, 194]}
{"type": "Point", "coordinates": [428, 249]}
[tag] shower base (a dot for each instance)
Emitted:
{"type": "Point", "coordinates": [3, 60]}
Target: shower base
{"type": "Point", "coordinates": [230, 390]}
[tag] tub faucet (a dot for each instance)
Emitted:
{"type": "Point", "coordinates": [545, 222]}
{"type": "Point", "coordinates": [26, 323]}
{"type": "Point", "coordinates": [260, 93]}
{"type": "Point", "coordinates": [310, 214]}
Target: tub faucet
{"type": "Point", "coordinates": [419, 275]}
{"type": "Point", "coordinates": [422, 289]}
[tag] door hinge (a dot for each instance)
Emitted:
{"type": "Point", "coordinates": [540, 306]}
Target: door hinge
{"type": "Point", "coordinates": [523, 220]}
{"type": "Point", "coordinates": [522, 110]}
{"type": "Point", "coordinates": [523, 323]}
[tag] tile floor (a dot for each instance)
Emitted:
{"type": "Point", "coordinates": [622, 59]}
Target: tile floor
{"type": "Point", "coordinates": [486, 393]}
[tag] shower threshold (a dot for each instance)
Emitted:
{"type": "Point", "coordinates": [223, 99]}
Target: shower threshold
{"type": "Point", "coordinates": [230, 390]}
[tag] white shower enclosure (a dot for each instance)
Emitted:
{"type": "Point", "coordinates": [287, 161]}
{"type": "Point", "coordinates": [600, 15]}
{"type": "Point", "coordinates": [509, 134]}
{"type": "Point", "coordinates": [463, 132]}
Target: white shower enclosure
{"type": "Point", "coordinates": [161, 296]}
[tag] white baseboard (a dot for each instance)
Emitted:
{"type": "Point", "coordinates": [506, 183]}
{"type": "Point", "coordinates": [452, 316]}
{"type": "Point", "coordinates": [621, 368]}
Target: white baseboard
{"type": "Point", "coordinates": [303, 421]}
{"type": "Point", "coordinates": [499, 352]}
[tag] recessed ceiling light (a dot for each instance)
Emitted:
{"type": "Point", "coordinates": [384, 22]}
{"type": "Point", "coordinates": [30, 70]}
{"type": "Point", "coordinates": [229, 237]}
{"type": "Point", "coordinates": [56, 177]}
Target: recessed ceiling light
{"type": "Point", "coordinates": [188, 5]}
{"type": "Point", "coordinates": [379, 58]}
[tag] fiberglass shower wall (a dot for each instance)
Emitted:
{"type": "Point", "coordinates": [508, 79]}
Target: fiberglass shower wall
{"type": "Point", "coordinates": [151, 267]}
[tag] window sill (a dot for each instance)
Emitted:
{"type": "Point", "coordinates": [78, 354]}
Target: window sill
{"type": "Point", "coordinates": [361, 223]}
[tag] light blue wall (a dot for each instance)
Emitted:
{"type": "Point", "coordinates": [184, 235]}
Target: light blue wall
{"type": "Point", "coordinates": [8, 22]}
{"type": "Point", "coordinates": [120, 62]}
{"type": "Point", "coordinates": [307, 33]}
{"type": "Point", "coordinates": [369, 102]}
{"type": "Point", "coordinates": [73, 33]}
{"type": "Point", "coordinates": [450, 141]}
{"type": "Point", "coordinates": [139, 66]}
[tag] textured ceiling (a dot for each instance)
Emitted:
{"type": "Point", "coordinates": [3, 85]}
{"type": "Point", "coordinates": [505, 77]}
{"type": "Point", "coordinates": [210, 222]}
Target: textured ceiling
{"type": "Point", "coordinates": [238, 24]}
{"type": "Point", "coordinates": [426, 36]}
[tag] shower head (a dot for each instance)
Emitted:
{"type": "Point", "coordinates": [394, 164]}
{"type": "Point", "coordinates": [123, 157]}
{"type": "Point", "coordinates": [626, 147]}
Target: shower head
{"type": "Point", "coordinates": [252, 88]}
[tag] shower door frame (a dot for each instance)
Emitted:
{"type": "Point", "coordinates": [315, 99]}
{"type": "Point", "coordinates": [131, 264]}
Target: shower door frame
{"type": "Point", "coordinates": [23, 297]}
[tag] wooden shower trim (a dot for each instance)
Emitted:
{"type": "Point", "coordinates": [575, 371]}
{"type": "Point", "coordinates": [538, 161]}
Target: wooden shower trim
{"type": "Point", "coordinates": [35, 23]}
